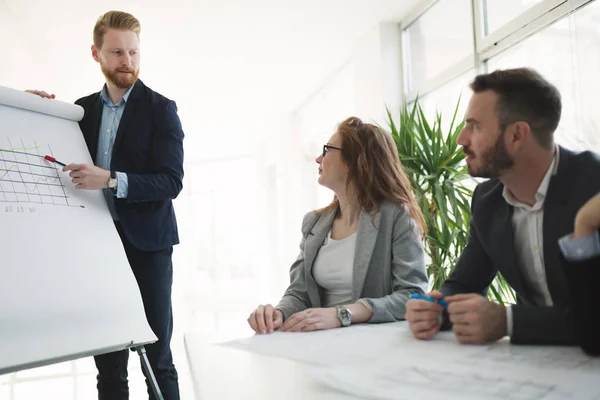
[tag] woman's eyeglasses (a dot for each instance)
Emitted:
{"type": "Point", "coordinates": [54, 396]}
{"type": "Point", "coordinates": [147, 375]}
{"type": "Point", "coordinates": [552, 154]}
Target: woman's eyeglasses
{"type": "Point", "coordinates": [326, 149]}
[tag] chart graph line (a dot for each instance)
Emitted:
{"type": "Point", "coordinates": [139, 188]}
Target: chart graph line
{"type": "Point", "coordinates": [50, 180]}
{"type": "Point", "coordinates": [35, 184]}
{"type": "Point", "coordinates": [15, 150]}
{"type": "Point", "coordinates": [25, 177]}
{"type": "Point", "coordinates": [12, 168]}
{"type": "Point", "coordinates": [37, 148]}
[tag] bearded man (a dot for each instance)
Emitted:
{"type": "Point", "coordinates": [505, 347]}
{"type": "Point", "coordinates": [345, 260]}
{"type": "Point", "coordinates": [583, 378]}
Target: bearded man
{"type": "Point", "coordinates": [135, 138]}
{"type": "Point", "coordinates": [518, 216]}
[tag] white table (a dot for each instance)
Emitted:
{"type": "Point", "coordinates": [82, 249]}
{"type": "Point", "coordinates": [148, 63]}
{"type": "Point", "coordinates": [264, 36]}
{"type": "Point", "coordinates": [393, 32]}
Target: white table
{"type": "Point", "coordinates": [221, 372]}
{"type": "Point", "coordinates": [385, 360]}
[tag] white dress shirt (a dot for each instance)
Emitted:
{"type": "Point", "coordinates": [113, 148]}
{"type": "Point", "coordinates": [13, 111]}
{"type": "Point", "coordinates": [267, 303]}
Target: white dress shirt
{"type": "Point", "coordinates": [527, 225]}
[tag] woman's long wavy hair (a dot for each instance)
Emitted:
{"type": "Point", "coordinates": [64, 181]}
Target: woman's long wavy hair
{"type": "Point", "coordinates": [375, 170]}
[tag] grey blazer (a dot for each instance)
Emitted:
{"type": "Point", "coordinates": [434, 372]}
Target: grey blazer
{"type": "Point", "coordinates": [491, 249]}
{"type": "Point", "coordinates": [389, 263]}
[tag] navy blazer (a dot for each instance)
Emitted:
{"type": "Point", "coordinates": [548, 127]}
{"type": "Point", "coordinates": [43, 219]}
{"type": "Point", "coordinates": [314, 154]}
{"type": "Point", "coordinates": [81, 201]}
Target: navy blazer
{"type": "Point", "coordinates": [149, 148]}
{"type": "Point", "coordinates": [491, 250]}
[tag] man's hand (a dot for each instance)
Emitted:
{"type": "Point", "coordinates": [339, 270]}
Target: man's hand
{"type": "Point", "coordinates": [42, 94]}
{"type": "Point", "coordinates": [587, 220]}
{"type": "Point", "coordinates": [312, 319]}
{"type": "Point", "coordinates": [475, 319]}
{"type": "Point", "coordinates": [87, 176]}
{"type": "Point", "coordinates": [424, 317]}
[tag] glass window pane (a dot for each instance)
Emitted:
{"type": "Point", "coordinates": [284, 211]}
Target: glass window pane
{"type": "Point", "coordinates": [444, 99]}
{"type": "Point", "coordinates": [587, 26]}
{"type": "Point", "coordinates": [499, 12]}
{"type": "Point", "coordinates": [434, 44]}
{"type": "Point", "coordinates": [540, 52]}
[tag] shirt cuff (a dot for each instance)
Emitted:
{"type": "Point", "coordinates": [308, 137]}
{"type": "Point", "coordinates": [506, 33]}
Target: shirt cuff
{"type": "Point", "coordinates": [509, 321]}
{"type": "Point", "coordinates": [122, 185]}
{"type": "Point", "coordinates": [580, 249]}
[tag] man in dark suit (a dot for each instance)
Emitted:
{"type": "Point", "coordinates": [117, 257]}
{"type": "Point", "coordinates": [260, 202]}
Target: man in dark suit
{"type": "Point", "coordinates": [518, 215]}
{"type": "Point", "coordinates": [581, 263]}
{"type": "Point", "coordinates": [136, 141]}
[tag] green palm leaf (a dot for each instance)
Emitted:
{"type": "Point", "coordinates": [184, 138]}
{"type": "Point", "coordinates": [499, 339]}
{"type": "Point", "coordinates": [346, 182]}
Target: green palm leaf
{"type": "Point", "coordinates": [435, 165]}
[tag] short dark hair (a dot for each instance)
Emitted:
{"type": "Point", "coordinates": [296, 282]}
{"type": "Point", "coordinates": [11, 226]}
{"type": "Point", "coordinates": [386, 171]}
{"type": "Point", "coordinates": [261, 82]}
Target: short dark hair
{"type": "Point", "coordinates": [524, 95]}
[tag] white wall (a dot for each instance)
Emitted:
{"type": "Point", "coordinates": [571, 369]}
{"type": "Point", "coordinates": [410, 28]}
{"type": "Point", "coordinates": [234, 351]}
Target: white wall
{"type": "Point", "coordinates": [377, 61]}
{"type": "Point", "coordinates": [369, 80]}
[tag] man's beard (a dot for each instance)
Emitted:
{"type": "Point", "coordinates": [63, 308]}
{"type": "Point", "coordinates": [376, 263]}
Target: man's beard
{"type": "Point", "coordinates": [495, 160]}
{"type": "Point", "coordinates": [121, 81]}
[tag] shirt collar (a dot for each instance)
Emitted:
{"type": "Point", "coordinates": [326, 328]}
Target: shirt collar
{"type": "Point", "coordinates": [540, 194]}
{"type": "Point", "coordinates": [108, 101]}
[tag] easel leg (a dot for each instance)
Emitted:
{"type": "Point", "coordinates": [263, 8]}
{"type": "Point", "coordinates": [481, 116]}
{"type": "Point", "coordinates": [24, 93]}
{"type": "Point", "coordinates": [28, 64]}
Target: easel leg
{"type": "Point", "coordinates": [149, 374]}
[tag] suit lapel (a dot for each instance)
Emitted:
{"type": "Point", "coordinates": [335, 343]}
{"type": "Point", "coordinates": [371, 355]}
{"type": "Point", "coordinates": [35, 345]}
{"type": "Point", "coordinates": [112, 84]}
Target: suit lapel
{"type": "Point", "coordinates": [92, 134]}
{"type": "Point", "coordinates": [366, 236]}
{"type": "Point", "coordinates": [555, 219]}
{"type": "Point", "coordinates": [313, 243]}
{"type": "Point", "coordinates": [130, 111]}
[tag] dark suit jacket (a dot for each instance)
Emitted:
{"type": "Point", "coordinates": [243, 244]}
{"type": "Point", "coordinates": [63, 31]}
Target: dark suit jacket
{"type": "Point", "coordinates": [149, 148]}
{"type": "Point", "coordinates": [583, 278]}
{"type": "Point", "coordinates": [491, 249]}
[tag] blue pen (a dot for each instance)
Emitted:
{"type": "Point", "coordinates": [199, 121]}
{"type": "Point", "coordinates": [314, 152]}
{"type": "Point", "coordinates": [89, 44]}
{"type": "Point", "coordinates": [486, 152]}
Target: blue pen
{"type": "Point", "coordinates": [441, 302]}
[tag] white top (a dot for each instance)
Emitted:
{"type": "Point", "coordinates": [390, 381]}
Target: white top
{"type": "Point", "coordinates": [528, 236]}
{"type": "Point", "coordinates": [333, 270]}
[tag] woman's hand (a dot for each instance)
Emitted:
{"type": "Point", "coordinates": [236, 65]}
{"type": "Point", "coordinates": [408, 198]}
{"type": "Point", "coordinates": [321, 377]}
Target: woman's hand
{"type": "Point", "coordinates": [312, 319]}
{"type": "Point", "coordinates": [265, 319]}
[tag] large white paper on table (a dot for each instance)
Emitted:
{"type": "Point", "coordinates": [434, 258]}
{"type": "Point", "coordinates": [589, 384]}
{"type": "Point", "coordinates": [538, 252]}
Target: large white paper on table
{"type": "Point", "coordinates": [386, 362]}
{"type": "Point", "coordinates": [66, 288]}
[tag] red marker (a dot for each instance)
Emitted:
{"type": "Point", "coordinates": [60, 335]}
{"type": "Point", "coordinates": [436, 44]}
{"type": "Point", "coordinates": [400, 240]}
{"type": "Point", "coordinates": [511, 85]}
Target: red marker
{"type": "Point", "coordinates": [52, 159]}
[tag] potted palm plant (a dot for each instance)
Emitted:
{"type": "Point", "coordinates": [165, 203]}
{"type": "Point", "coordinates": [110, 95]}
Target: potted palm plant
{"type": "Point", "coordinates": [435, 165]}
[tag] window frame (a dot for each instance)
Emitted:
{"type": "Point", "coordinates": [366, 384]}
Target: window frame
{"type": "Point", "coordinates": [487, 46]}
